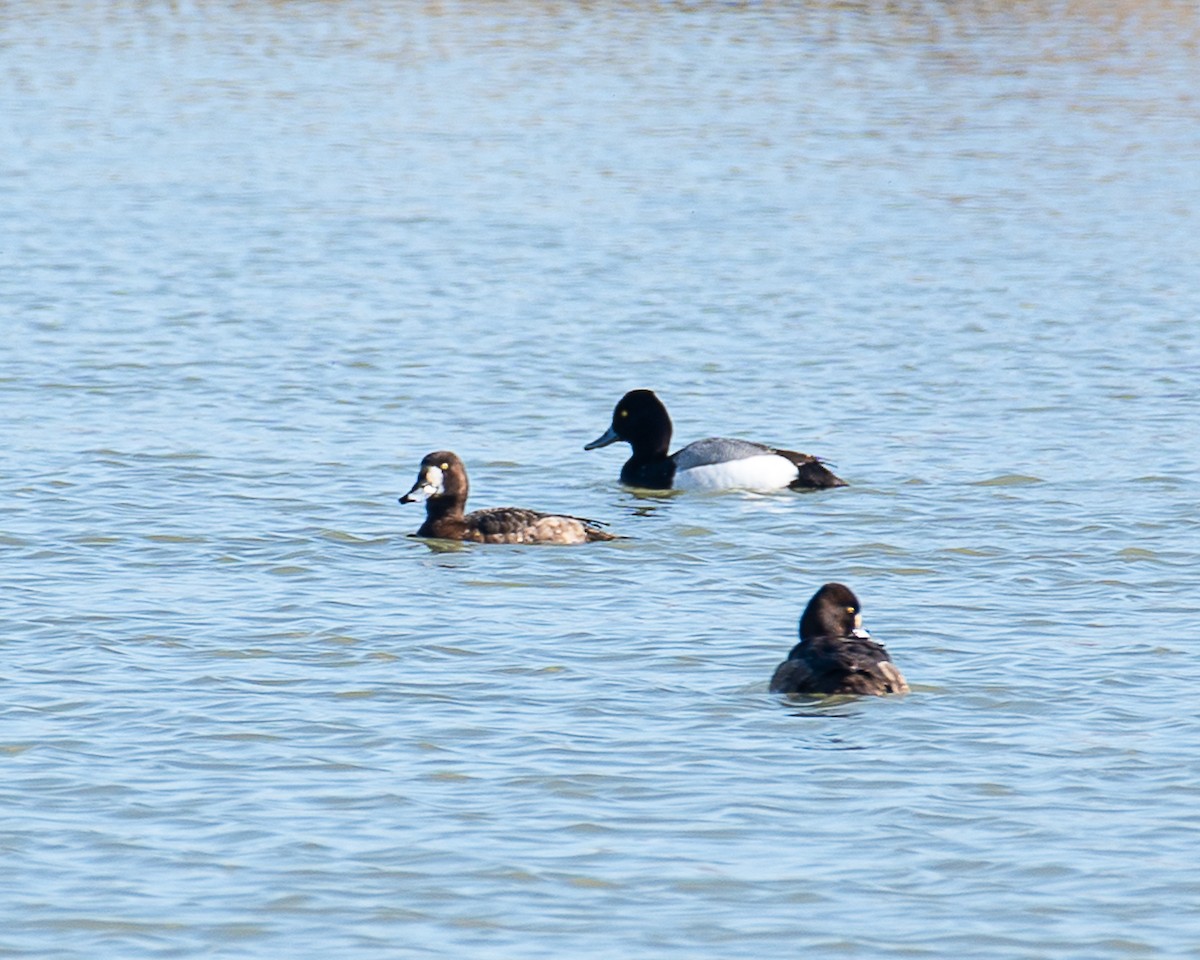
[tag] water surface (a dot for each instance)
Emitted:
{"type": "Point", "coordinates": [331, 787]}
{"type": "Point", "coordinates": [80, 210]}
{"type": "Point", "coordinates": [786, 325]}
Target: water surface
{"type": "Point", "coordinates": [261, 258]}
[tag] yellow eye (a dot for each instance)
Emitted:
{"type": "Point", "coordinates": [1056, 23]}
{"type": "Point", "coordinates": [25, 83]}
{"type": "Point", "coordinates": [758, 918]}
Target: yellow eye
{"type": "Point", "coordinates": [445, 466]}
{"type": "Point", "coordinates": [850, 610]}
{"type": "Point", "coordinates": [622, 413]}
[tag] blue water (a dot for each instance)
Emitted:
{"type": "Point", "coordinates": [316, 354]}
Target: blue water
{"type": "Point", "coordinates": [256, 260]}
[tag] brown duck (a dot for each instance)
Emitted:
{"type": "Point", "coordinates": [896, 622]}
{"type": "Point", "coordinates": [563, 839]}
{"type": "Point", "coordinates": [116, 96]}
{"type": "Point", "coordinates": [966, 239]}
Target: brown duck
{"type": "Point", "coordinates": [835, 654]}
{"type": "Point", "coordinates": [442, 484]}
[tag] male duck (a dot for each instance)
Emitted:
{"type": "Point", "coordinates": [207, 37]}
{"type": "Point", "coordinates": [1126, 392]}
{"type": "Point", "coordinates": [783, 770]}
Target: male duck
{"type": "Point", "coordinates": [835, 654]}
{"type": "Point", "coordinates": [641, 420]}
{"type": "Point", "coordinates": [442, 484]}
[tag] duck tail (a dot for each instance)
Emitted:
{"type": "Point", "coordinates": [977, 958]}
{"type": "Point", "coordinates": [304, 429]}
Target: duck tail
{"type": "Point", "coordinates": [811, 472]}
{"type": "Point", "coordinates": [593, 529]}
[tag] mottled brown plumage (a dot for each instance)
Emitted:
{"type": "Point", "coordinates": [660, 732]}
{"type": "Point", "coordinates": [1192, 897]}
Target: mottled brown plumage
{"type": "Point", "coordinates": [835, 655]}
{"type": "Point", "coordinates": [442, 484]}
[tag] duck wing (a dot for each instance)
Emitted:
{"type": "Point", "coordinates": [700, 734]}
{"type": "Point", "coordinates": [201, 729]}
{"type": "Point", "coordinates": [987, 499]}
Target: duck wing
{"type": "Point", "coordinates": [793, 676]}
{"type": "Point", "coordinates": [519, 525]}
{"type": "Point", "coordinates": [858, 665]}
{"type": "Point", "coordinates": [717, 450]}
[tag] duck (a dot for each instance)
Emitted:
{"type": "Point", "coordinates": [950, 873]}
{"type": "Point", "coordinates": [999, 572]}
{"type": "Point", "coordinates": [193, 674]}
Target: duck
{"type": "Point", "coordinates": [641, 420]}
{"type": "Point", "coordinates": [835, 654]}
{"type": "Point", "coordinates": [442, 484]}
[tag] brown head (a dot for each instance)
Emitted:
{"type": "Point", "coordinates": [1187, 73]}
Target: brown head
{"type": "Point", "coordinates": [441, 480]}
{"type": "Point", "coordinates": [833, 611]}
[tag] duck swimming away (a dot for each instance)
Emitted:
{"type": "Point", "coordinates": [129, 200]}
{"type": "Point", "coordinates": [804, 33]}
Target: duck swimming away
{"type": "Point", "coordinates": [835, 654]}
{"type": "Point", "coordinates": [442, 484]}
{"type": "Point", "coordinates": [641, 420]}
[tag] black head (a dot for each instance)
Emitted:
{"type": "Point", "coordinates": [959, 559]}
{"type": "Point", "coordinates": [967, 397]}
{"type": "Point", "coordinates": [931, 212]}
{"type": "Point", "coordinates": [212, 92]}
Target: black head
{"type": "Point", "coordinates": [833, 611]}
{"type": "Point", "coordinates": [641, 420]}
{"type": "Point", "coordinates": [441, 475]}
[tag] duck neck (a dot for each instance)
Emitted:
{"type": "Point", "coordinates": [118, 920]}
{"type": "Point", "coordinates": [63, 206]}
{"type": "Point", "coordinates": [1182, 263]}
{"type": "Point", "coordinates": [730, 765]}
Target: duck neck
{"type": "Point", "coordinates": [651, 445]}
{"type": "Point", "coordinates": [444, 508]}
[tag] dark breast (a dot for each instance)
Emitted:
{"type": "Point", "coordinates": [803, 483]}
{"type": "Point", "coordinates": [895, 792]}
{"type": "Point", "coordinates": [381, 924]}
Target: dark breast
{"type": "Point", "coordinates": [652, 474]}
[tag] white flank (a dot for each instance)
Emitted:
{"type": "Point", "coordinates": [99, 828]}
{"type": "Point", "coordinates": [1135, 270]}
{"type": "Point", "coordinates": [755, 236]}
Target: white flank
{"type": "Point", "coordinates": [767, 471]}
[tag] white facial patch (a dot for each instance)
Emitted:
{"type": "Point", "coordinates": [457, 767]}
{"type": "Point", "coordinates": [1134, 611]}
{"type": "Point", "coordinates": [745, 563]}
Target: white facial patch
{"type": "Point", "coordinates": [430, 484]}
{"type": "Point", "coordinates": [434, 482]}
